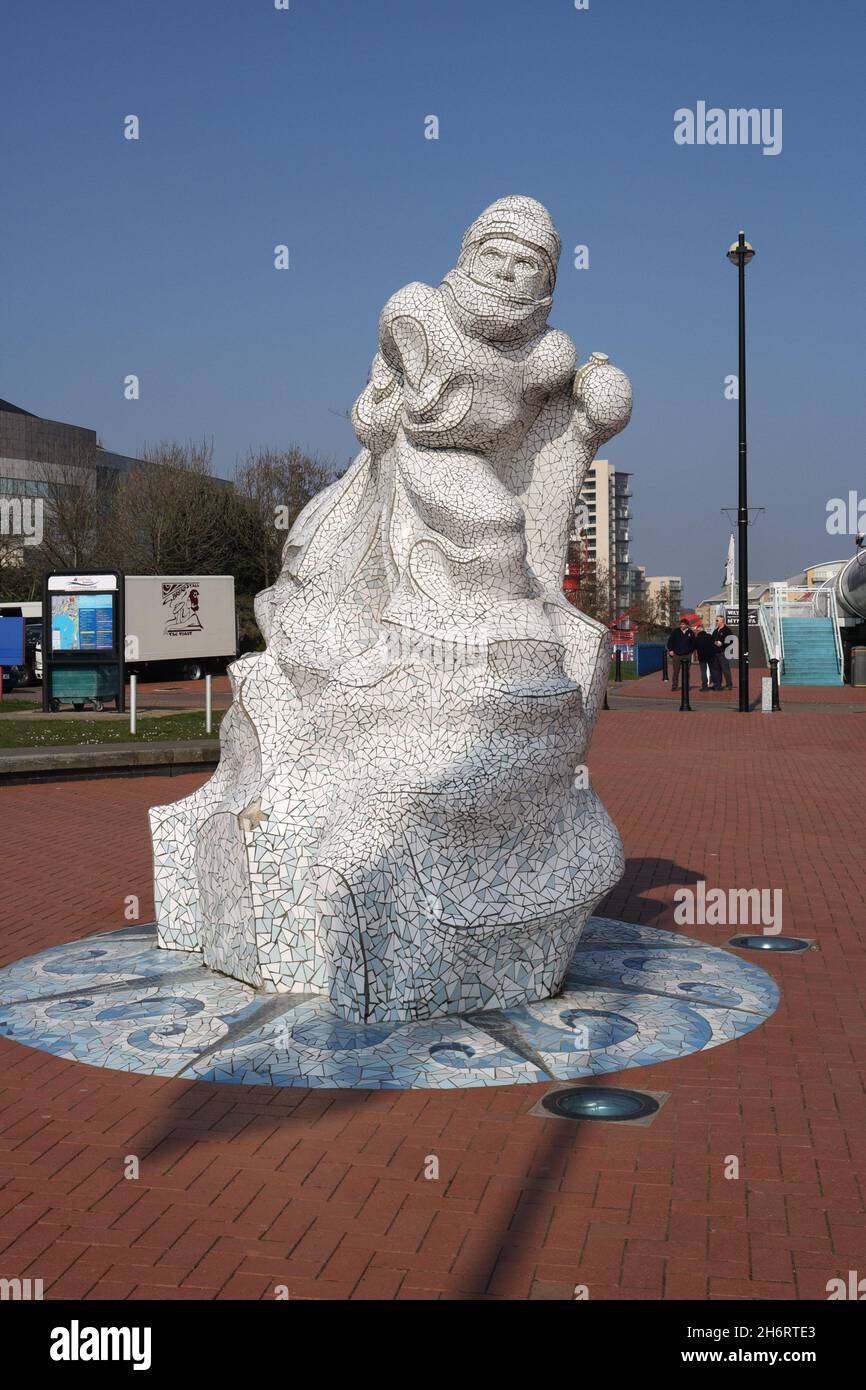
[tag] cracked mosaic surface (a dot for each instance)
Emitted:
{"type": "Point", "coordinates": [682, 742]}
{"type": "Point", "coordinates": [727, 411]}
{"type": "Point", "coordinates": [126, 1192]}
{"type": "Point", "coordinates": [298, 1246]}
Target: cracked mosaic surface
{"type": "Point", "coordinates": [633, 996]}
{"type": "Point", "coordinates": [396, 821]}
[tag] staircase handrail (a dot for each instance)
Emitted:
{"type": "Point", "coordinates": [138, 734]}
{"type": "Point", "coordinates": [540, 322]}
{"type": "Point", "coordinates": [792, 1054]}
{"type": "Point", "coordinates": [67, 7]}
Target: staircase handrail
{"type": "Point", "coordinates": [834, 614]}
{"type": "Point", "coordinates": [769, 630]}
{"type": "Point", "coordinates": [826, 606]}
{"type": "Point", "coordinates": [822, 598]}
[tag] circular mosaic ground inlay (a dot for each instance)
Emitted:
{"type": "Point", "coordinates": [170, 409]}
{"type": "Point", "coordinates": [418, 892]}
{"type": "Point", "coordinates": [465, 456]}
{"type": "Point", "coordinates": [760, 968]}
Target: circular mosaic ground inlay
{"type": "Point", "coordinates": [633, 996]}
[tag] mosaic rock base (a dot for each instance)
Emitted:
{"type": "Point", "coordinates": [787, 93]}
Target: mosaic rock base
{"type": "Point", "coordinates": [633, 996]}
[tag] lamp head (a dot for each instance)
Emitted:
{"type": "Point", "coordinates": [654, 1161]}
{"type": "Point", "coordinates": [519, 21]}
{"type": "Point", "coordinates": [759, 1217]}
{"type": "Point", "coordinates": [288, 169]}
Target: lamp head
{"type": "Point", "coordinates": [733, 252]}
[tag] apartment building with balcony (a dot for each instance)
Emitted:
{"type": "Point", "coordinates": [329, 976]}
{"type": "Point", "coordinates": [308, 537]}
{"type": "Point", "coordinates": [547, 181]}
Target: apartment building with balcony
{"type": "Point", "coordinates": [601, 525]}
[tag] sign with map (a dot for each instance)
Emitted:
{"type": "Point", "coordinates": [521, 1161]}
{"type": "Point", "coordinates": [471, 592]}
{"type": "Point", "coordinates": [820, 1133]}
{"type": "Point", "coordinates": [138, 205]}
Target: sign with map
{"type": "Point", "coordinates": [82, 622]}
{"type": "Point", "coordinates": [82, 644]}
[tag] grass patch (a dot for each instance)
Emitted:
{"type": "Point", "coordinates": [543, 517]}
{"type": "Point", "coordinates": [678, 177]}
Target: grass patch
{"type": "Point", "coordinates": [57, 731]}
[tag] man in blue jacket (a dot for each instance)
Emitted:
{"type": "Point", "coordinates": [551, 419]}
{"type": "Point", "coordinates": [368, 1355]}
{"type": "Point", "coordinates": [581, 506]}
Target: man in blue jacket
{"type": "Point", "coordinates": [681, 643]}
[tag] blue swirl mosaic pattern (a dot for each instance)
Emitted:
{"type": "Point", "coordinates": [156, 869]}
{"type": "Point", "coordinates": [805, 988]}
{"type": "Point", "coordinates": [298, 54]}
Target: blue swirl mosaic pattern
{"type": "Point", "coordinates": [633, 996]}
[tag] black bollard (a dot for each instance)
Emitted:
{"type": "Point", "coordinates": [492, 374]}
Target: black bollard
{"type": "Point", "coordinates": [774, 677]}
{"type": "Point", "coordinates": [618, 675]}
{"type": "Point", "coordinates": [665, 676]}
{"type": "Point", "coordinates": [685, 663]}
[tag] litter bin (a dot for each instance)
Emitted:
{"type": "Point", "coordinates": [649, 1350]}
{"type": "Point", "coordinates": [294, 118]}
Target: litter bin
{"type": "Point", "coordinates": [82, 685]}
{"type": "Point", "coordinates": [858, 665]}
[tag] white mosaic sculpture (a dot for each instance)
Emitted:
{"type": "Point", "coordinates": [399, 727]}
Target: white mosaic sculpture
{"type": "Point", "coordinates": [400, 819]}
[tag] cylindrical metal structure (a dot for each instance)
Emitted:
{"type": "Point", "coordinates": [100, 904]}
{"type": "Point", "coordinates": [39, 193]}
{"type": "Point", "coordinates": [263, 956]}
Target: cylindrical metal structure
{"type": "Point", "coordinates": [739, 255]}
{"type": "Point", "coordinates": [743, 501]}
{"type": "Point", "coordinates": [685, 663]}
{"type": "Point", "coordinates": [774, 676]}
{"type": "Point", "coordinates": [851, 586]}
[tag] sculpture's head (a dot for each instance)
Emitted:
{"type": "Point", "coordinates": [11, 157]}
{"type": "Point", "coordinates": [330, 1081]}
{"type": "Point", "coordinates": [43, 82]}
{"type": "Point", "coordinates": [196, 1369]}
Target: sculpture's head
{"type": "Point", "coordinates": [503, 283]}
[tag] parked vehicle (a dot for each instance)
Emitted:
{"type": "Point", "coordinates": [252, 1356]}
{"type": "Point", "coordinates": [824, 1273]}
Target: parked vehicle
{"type": "Point", "coordinates": [179, 625]}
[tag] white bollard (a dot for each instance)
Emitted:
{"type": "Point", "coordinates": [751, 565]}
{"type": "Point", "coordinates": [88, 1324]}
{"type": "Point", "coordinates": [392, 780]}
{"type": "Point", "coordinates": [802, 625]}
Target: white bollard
{"type": "Point", "coordinates": [767, 695]}
{"type": "Point", "coordinates": [208, 703]}
{"type": "Point", "coordinates": [133, 702]}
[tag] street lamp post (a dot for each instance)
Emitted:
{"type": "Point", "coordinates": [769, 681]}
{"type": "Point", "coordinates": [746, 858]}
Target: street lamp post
{"type": "Point", "coordinates": [739, 255]}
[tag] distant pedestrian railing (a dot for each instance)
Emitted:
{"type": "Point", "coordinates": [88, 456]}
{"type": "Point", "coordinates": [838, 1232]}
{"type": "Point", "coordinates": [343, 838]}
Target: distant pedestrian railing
{"type": "Point", "coordinates": [826, 607]}
{"type": "Point", "coordinates": [797, 608]}
{"type": "Point", "coordinates": [823, 600]}
{"type": "Point", "coordinates": [771, 630]}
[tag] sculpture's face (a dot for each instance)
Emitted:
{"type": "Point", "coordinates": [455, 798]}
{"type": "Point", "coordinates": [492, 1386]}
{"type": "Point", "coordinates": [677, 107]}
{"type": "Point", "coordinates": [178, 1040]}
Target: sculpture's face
{"type": "Point", "coordinates": [510, 267]}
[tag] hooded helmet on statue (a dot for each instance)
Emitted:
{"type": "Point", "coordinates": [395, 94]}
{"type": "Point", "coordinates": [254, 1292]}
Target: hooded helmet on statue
{"type": "Point", "coordinates": [502, 286]}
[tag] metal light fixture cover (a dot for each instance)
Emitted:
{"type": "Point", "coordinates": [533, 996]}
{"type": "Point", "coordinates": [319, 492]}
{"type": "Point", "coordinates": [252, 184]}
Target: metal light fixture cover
{"type": "Point", "coordinates": [733, 253]}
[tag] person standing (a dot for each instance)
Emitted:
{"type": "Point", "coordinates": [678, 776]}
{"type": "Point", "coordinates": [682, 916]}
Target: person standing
{"type": "Point", "coordinates": [723, 637]}
{"type": "Point", "coordinates": [680, 644]}
{"type": "Point", "coordinates": [705, 646]}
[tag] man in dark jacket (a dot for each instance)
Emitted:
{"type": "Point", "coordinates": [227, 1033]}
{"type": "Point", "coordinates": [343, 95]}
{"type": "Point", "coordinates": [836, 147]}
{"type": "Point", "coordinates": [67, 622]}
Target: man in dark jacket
{"type": "Point", "coordinates": [705, 646]}
{"type": "Point", "coordinates": [681, 643]}
{"type": "Point", "coordinates": [723, 637]}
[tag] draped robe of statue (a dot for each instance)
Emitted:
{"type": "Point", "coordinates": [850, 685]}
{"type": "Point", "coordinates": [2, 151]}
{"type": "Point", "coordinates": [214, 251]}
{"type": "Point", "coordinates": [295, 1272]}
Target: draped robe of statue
{"type": "Point", "coordinates": [401, 818]}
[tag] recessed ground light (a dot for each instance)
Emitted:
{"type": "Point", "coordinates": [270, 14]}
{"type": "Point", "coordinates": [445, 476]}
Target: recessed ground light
{"type": "Point", "coordinates": [599, 1103]}
{"type": "Point", "coordinates": [771, 943]}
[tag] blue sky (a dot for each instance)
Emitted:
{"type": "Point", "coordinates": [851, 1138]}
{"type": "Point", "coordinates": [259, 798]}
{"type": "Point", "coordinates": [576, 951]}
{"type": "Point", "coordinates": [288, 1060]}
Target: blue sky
{"type": "Point", "coordinates": [306, 127]}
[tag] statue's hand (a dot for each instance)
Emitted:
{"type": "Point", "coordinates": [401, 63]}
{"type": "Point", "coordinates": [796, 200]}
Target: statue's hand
{"type": "Point", "coordinates": [603, 398]}
{"type": "Point", "coordinates": [376, 412]}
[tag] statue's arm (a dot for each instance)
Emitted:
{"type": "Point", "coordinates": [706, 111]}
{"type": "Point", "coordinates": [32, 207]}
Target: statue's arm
{"type": "Point", "coordinates": [403, 357]}
{"type": "Point", "coordinates": [403, 338]}
{"type": "Point", "coordinates": [556, 454]}
{"type": "Point", "coordinates": [550, 367]}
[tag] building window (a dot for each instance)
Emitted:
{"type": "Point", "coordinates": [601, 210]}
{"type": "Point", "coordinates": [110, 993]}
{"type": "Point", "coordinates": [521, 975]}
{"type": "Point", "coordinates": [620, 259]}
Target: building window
{"type": "Point", "coordinates": [27, 487]}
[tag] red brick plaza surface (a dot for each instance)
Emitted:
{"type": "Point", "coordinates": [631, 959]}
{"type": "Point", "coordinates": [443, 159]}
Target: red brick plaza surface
{"type": "Point", "coordinates": [242, 1189]}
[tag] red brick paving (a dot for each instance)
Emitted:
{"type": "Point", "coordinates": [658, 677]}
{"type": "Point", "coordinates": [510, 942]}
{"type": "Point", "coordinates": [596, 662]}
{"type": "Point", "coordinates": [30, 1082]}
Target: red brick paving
{"type": "Point", "coordinates": [244, 1189]}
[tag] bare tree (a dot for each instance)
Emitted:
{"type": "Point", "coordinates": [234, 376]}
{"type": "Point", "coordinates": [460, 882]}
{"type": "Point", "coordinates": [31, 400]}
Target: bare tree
{"type": "Point", "coordinates": [171, 515]}
{"type": "Point", "coordinates": [645, 612]}
{"type": "Point", "coordinates": [593, 593]}
{"type": "Point", "coordinates": [12, 563]}
{"type": "Point", "coordinates": [73, 511]}
{"type": "Point", "coordinates": [272, 486]}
